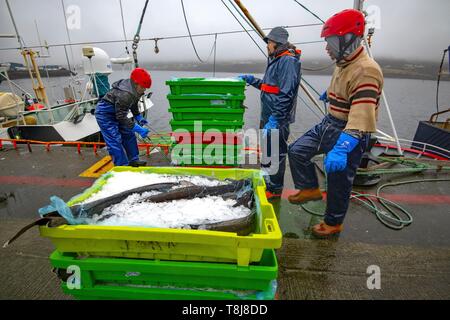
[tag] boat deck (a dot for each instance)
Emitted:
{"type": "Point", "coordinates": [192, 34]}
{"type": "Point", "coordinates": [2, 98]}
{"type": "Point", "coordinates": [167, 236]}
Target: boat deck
{"type": "Point", "coordinates": [414, 262]}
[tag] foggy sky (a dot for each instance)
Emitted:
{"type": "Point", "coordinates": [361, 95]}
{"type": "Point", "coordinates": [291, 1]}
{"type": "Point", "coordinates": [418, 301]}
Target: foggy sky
{"type": "Point", "coordinates": [413, 30]}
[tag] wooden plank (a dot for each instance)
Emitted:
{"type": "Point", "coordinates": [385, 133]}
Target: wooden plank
{"type": "Point", "coordinates": [99, 168]}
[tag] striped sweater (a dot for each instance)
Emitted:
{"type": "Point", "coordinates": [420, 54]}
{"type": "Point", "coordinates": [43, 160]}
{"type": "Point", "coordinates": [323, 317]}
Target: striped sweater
{"type": "Point", "coordinates": [354, 92]}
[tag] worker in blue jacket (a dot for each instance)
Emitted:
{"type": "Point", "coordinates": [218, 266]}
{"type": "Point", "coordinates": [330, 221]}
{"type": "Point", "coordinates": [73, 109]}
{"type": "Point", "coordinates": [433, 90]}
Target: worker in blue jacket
{"type": "Point", "coordinates": [117, 129]}
{"type": "Point", "coordinates": [279, 89]}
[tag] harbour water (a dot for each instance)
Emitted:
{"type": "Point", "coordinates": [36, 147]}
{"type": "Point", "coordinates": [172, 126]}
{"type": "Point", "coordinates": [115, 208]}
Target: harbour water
{"type": "Point", "coordinates": [410, 100]}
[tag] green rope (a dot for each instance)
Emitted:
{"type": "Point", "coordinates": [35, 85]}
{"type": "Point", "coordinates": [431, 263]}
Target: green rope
{"type": "Point", "coordinates": [415, 167]}
{"type": "Point", "coordinates": [390, 217]}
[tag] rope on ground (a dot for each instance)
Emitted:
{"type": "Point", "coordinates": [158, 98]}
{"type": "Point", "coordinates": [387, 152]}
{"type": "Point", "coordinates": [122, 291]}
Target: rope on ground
{"type": "Point", "coordinates": [413, 165]}
{"type": "Point", "coordinates": [391, 217]}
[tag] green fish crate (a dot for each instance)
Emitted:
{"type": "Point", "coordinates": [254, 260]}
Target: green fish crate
{"type": "Point", "coordinates": [219, 114]}
{"type": "Point", "coordinates": [182, 86]}
{"type": "Point", "coordinates": [118, 278]}
{"type": "Point", "coordinates": [124, 293]}
{"type": "Point", "coordinates": [207, 138]}
{"type": "Point", "coordinates": [205, 125]}
{"type": "Point", "coordinates": [207, 161]}
{"type": "Point", "coordinates": [206, 101]}
{"type": "Point", "coordinates": [207, 155]}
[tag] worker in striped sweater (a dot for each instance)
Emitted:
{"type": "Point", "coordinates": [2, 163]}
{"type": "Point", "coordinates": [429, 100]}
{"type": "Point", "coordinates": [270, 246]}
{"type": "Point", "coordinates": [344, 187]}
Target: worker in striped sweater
{"type": "Point", "coordinates": [344, 133]}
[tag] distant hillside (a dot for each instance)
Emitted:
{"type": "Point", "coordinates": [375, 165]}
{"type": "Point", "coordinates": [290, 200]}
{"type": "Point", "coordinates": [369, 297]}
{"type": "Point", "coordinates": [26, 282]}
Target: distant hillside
{"type": "Point", "coordinates": [391, 68]}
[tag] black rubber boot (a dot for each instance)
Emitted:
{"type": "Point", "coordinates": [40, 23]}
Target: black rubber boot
{"type": "Point", "coordinates": [138, 163]}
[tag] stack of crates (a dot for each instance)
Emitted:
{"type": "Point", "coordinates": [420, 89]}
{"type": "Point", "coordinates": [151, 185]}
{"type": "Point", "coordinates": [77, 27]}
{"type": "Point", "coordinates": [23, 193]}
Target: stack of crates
{"type": "Point", "coordinates": [215, 104]}
{"type": "Point", "coordinates": [115, 262]}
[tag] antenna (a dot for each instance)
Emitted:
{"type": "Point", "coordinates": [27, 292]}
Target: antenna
{"type": "Point", "coordinates": [88, 52]}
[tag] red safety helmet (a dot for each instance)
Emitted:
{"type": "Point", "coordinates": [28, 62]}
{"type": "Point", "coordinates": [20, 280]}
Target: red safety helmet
{"type": "Point", "coordinates": [346, 21]}
{"type": "Point", "coordinates": [141, 77]}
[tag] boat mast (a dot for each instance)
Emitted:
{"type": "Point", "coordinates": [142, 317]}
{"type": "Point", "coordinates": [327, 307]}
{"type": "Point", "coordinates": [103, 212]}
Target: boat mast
{"type": "Point", "coordinates": [39, 88]}
{"type": "Point", "coordinates": [263, 35]}
{"type": "Point", "coordinates": [68, 37]}
{"type": "Point", "coordinates": [17, 36]}
{"type": "Point", "coordinates": [29, 56]}
{"type": "Point", "coordinates": [44, 56]}
{"type": "Point", "coordinates": [358, 5]}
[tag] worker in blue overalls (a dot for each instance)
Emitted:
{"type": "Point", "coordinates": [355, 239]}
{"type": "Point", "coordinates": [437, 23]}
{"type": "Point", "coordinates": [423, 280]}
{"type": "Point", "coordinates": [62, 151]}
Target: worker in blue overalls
{"type": "Point", "coordinates": [117, 129]}
{"type": "Point", "coordinates": [279, 89]}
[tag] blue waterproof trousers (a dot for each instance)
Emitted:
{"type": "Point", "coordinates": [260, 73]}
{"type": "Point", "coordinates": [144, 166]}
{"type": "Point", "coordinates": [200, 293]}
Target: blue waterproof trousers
{"type": "Point", "coordinates": [120, 140]}
{"type": "Point", "coordinates": [275, 181]}
{"type": "Point", "coordinates": [321, 139]}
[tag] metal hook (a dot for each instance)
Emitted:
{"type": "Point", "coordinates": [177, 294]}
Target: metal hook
{"type": "Point", "coordinates": [156, 46]}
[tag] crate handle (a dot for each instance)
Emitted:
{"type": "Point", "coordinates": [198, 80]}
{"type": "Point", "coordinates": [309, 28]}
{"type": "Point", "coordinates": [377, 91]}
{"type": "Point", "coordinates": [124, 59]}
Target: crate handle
{"type": "Point", "coordinates": [269, 226]}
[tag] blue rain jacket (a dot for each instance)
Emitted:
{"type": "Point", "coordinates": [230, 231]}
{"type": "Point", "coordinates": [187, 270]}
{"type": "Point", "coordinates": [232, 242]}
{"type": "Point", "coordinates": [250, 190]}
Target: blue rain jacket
{"type": "Point", "coordinates": [123, 97]}
{"type": "Point", "coordinates": [279, 87]}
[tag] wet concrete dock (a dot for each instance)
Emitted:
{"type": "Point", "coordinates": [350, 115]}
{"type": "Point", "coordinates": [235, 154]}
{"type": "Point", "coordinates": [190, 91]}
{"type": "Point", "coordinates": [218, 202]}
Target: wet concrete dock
{"type": "Point", "coordinates": [414, 262]}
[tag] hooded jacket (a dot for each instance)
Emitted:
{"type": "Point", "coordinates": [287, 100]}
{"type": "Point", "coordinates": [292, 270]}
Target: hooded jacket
{"type": "Point", "coordinates": [124, 97]}
{"type": "Point", "coordinates": [279, 87]}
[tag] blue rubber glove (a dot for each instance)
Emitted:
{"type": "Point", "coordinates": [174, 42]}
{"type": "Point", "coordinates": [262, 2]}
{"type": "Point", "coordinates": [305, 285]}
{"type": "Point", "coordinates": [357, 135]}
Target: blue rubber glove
{"type": "Point", "coordinates": [324, 97]}
{"type": "Point", "coordinates": [271, 124]}
{"type": "Point", "coordinates": [143, 132]}
{"type": "Point", "coordinates": [336, 159]}
{"type": "Point", "coordinates": [247, 78]}
{"type": "Point", "coordinates": [141, 120]}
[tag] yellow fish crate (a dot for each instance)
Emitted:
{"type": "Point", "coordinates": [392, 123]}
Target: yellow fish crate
{"type": "Point", "coordinates": [173, 244]}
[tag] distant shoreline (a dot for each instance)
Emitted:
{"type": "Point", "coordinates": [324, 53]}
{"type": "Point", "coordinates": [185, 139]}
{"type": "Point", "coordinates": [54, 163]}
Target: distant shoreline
{"type": "Point", "coordinates": [24, 74]}
{"type": "Point", "coordinates": [391, 68]}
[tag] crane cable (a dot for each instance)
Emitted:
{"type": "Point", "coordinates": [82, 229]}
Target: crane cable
{"type": "Point", "coordinates": [243, 17]}
{"type": "Point", "coordinates": [319, 69]}
{"type": "Point", "coordinates": [137, 37]}
{"type": "Point", "coordinates": [162, 38]}
{"type": "Point", "coordinates": [123, 28]}
{"type": "Point", "coordinates": [190, 34]}
{"type": "Point", "coordinates": [236, 18]}
{"type": "Point", "coordinates": [213, 48]}
{"type": "Point", "coordinates": [315, 15]}
{"type": "Point", "coordinates": [263, 51]}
